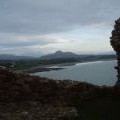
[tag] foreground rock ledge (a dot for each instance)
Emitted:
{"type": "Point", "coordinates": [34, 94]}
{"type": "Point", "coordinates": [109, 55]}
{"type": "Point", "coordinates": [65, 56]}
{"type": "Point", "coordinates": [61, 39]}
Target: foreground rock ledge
{"type": "Point", "coordinates": [24, 97]}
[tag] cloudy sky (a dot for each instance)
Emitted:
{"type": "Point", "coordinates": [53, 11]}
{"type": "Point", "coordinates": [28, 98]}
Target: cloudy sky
{"type": "Point", "coordinates": [37, 27]}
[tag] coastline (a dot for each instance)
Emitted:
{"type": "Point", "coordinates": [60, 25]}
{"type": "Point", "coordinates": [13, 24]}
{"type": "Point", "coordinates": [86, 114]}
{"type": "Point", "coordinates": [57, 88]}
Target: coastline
{"type": "Point", "coordinates": [90, 62]}
{"type": "Point", "coordinates": [40, 69]}
{"type": "Point", "coordinates": [34, 98]}
{"type": "Point", "coordinates": [59, 66]}
{"type": "Point", "coordinates": [98, 73]}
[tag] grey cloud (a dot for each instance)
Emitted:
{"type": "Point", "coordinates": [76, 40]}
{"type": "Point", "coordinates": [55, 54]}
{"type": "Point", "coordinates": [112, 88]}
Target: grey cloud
{"type": "Point", "coordinates": [30, 26]}
{"type": "Point", "coordinates": [27, 51]}
{"type": "Point", "coordinates": [14, 41]}
{"type": "Point", "coordinates": [50, 16]}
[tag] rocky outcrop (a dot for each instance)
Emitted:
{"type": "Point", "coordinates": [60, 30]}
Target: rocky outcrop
{"type": "Point", "coordinates": [115, 42]}
{"type": "Point", "coordinates": [34, 98]}
{"type": "Point", "coordinates": [25, 97]}
{"type": "Point", "coordinates": [15, 87]}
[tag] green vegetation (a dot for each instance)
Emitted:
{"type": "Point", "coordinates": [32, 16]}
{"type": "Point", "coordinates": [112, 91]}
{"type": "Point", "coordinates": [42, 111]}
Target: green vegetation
{"type": "Point", "coordinates": [26, 64]}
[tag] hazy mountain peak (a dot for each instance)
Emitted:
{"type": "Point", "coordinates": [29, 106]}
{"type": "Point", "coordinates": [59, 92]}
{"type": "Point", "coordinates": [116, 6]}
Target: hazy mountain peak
{"type": "Point", "coordinates": [58, 52]}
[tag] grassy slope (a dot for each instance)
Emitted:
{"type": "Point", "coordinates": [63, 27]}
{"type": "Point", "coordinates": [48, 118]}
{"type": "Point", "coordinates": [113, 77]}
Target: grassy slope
{"type": "Point", "coordinates": [21, 93]}
{"type": "Point", "coordinates": [26, 64]}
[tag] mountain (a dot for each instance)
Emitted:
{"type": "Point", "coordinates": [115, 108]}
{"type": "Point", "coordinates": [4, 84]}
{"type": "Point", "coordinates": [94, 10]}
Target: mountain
{"type": "Point", "coordinates": [14, 57]}
{"type": "Point", "coordinates": [59, 54]}
{"type": "Point", "coordinates": [70, 55]}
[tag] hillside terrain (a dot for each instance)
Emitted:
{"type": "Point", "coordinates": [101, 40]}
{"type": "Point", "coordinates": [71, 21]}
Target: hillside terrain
{"type": "Point", "coordinates": [59, 54]}
{"type": "Point", "coordinates": [70, 55]}
{"type": "Point", "coordinates": [24, 63]}
{"type": "Point", "coordinates": [14, 57]}
{"type": "Point", "coordinates": [25, 97]}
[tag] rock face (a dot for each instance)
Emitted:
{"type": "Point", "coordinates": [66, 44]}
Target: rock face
{"type": "Point", "coordinates": [115, 42]}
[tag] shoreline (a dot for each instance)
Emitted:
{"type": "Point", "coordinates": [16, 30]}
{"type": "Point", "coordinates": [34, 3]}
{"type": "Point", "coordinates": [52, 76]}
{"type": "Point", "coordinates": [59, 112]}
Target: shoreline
{"type": "Point", "coordinates": [90, 62]}
{"type": "Point", "coordinates": [40, 69]}
{"type": "Point", "coordinates": [52, 67]}
{"type": "Point", "coordinates": [33, 97]}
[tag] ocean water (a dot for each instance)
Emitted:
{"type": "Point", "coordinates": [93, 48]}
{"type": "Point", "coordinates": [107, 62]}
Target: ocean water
{"type": "Point", "coordinates": [98, 73]}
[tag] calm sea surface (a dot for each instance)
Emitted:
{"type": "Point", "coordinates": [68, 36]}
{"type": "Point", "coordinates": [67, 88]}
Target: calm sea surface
{"type": "Point", "coordinates": [98, 73]}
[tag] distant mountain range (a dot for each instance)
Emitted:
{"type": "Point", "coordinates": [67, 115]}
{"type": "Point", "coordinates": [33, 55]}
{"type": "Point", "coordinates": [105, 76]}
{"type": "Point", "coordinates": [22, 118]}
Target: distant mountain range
{"type": "Point", "coordinates": [71, 55]}
{"type": "Point", "coordinates": [58, 55]}
{"type": "Point", "coordinates": [14, 57]}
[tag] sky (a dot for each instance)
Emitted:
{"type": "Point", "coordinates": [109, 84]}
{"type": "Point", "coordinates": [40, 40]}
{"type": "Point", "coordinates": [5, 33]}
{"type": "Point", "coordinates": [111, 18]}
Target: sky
{"type": "Point", "coordinates": [38, 27]}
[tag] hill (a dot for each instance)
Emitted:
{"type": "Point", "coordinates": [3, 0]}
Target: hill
{"type": "Point", "coordinates": [25, 97]}
{"type": "Point", "coordinates": [22, 62]}
{"type": "Point", "coordinates": [14, 57]}
{"type": "Point", "coordinates": [58, 55]}
{"type": "Point", "coordinates": [70, 55]}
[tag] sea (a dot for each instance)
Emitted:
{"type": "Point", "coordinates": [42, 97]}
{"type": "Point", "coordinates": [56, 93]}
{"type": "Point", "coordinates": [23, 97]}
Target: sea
{"type": "Point", "coordinates": [98, 73]}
